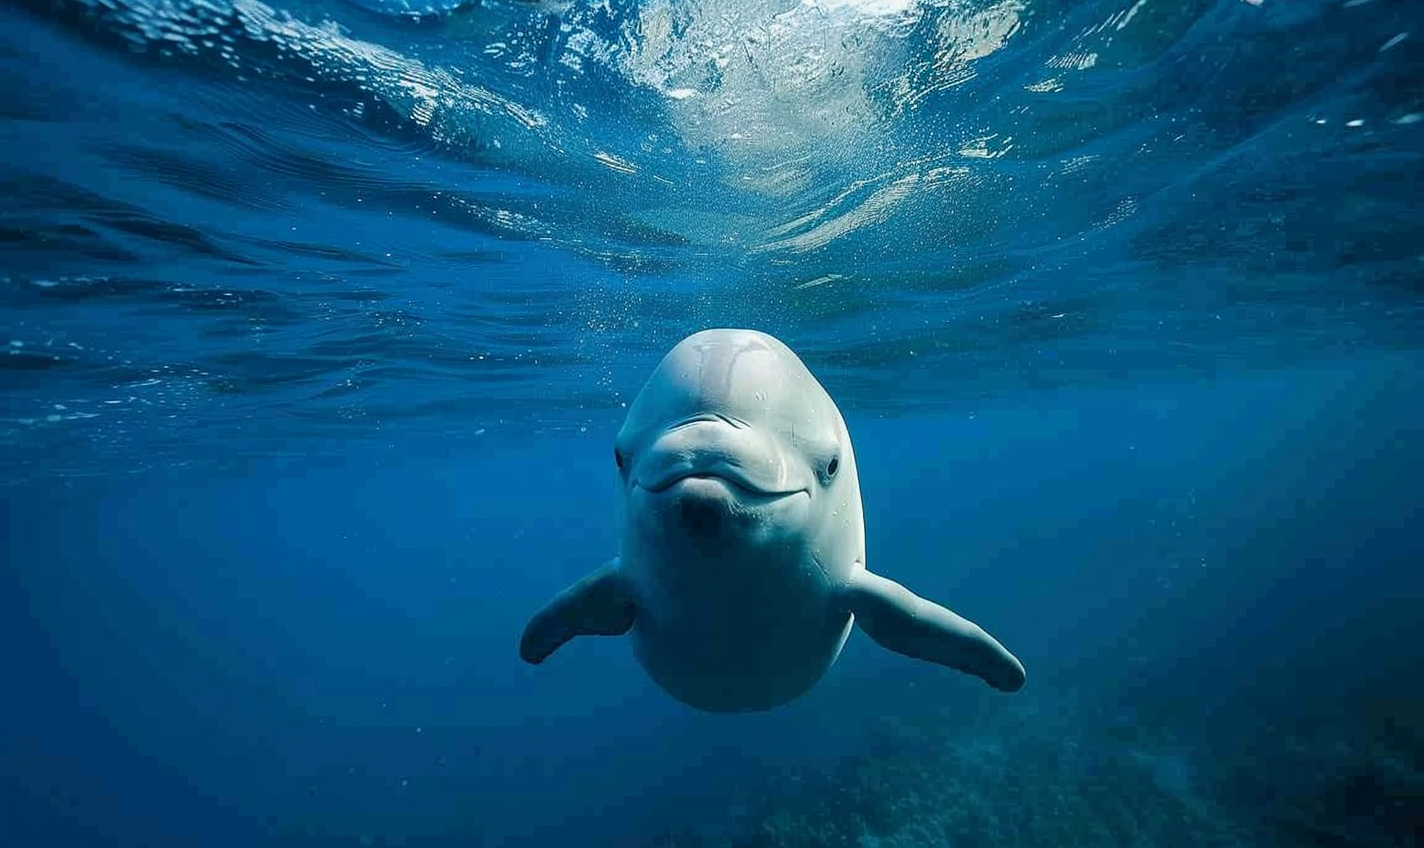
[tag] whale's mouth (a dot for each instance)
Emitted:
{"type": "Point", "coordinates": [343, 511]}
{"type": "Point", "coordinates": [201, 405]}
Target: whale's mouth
{"type": "Point", "coordinates": [736, 484]}
{"type": "Point", "coordinates": [713, 475]}
{"type": "Point", "coordinates": [717, 456]}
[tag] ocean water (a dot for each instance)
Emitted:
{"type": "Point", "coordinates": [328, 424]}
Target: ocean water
{"type": "Point", "coordinates": [320, 315]}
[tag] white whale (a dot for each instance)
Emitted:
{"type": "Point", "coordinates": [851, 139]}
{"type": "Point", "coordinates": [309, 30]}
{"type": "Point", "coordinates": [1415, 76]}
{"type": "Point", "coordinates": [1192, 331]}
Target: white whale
{"type": "Point", "coordinates": [743, 566]}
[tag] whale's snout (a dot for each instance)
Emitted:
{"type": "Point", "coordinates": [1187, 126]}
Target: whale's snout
{"type": "Point", "coordinates": [716, 447]}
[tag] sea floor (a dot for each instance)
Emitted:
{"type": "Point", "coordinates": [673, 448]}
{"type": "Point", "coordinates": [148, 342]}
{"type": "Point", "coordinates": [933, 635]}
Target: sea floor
{"type": "Point", "coordinates": [1053, 771]}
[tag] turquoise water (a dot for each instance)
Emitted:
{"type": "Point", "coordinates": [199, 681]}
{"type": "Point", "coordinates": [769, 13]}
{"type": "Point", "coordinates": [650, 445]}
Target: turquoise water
{"type": "Point", "coordinates": [320, 318]}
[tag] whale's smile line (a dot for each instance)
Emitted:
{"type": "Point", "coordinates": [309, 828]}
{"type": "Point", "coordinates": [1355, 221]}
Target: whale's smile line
{"type": "Point", "coordinates": [737, 486]}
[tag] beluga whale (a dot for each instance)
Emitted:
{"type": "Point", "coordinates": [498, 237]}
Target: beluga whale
{"type": "Point", "coordinates": [742, 565]}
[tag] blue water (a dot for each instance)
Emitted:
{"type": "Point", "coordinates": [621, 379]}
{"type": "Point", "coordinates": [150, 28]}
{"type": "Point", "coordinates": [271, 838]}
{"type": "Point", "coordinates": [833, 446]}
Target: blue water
{"type": "Point", "coordinates": [320, 317]}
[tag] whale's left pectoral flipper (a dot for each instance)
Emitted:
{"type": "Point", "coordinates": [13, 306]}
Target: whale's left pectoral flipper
{"type": "Point", "coordinates": [903, 622]}
{"type": "Point", "coordinates": [601, 604]}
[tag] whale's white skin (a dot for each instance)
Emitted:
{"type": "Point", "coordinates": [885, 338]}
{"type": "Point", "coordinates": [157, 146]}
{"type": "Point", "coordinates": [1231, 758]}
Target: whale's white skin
{"type": "Point", "coordinates": [742, 565]}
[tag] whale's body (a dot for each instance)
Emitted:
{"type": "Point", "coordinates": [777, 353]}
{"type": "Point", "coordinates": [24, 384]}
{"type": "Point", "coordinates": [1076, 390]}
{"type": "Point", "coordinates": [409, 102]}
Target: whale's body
{"type": "Point", "coordinates": [742, 564]}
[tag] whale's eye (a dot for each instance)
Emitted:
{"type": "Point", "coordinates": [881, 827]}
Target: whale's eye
{"type": "Point", "coordinates": [618, 458]}
{"type": "Point", "coordinates": [832, 467]}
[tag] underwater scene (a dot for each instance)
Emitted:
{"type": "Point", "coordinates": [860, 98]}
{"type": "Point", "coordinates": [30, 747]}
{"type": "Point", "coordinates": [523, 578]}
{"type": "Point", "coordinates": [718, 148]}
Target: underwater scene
{"type": "Point", "coordinates": [712, 423]}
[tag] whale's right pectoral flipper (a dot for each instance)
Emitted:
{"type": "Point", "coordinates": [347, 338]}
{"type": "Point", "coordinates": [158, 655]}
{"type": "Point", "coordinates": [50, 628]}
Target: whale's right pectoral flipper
{"type": "Point", "coordinates": [601, 604]}
{"type": "Point", "coordinates": [905, 623]}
